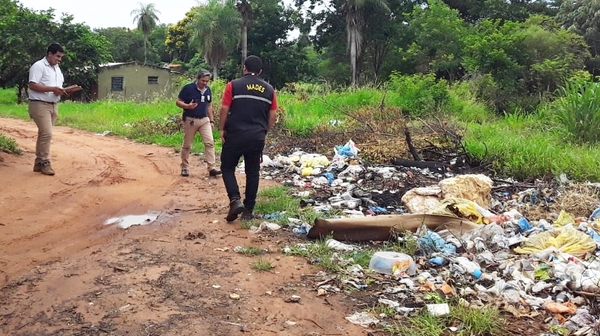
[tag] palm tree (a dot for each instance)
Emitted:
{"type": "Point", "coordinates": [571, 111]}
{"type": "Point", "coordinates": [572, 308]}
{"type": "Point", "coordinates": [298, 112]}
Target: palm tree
{"type": "Point", "coordinates": [247, 15]}
{"type": "Point", "coordinates": [146, 19]}
{"type": "Point", "coordinates": [353, 10]}
{"type": "Point", "coordinates": [216, 30]}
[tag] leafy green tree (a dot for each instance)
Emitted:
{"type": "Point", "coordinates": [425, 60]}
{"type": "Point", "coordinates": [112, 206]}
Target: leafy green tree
{"type": "Point", "coordinates": [216, 32]}
{"type": "Point", "coordinates": [516, 10]}
{"type": "Point", "coordinates": [84, 51]}
{"type": "Point", "coordinates": [283, 60]}
{"type": "Point", "coordinates": [525, 59]}
{"type": "Point", "coordinates": [146, 19]}
{"type": "Point", "coordinates": [438, 34]}
{"type": "Point", "coordinates": [26, 35]}
{"type": "Point", "coordinates": [581, 17]}
{"type": "Point", "coordinates": [157, 40]}
{"type": "Point", "coordinates": [179, 36]}
{"type": "Point", "coordinates": [127, 45]}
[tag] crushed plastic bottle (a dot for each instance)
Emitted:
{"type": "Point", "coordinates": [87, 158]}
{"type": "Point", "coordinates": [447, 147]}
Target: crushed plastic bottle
{"type": "Point", "coordinates": [469, 266]}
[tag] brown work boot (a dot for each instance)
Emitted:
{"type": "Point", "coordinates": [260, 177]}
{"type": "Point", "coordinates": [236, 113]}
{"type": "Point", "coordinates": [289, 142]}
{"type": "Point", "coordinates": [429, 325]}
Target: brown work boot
{"type": "Point", "coordinates": [37, 166]}
{"type": "Point", "coordinates": [47, 168]}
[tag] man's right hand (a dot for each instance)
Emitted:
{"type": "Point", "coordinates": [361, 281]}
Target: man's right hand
{"type": "Point", "coordinates": [192, 105]}
{"type": "Point", "coordinates": [58, 91]}
{"type": "Point", "coordinates": [223, 136]}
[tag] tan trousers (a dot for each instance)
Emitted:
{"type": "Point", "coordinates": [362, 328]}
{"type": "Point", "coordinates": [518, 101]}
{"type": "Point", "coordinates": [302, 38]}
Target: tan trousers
{"type": "Point", "coordinates": [44, 115]}
{"type": "Point", "coordinates": [202, 126]}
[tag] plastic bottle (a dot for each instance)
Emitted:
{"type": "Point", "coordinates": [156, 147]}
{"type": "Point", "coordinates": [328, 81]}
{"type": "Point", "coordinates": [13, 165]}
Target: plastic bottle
{"type": "Point", "coordinates": [469, 266]}
{"type": "Point", "coordinates": [392, 262]}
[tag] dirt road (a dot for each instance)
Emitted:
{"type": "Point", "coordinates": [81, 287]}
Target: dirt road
{"type": "Point", "coordinates": [64, 272]}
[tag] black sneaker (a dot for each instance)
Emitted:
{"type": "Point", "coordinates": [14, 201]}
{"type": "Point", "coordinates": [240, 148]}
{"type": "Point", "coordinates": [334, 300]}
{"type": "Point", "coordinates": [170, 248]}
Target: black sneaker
{"type": "Point", "coordinates": [214, 172]}
{"type": "Point", "coordinates": [235, 209]}
{"type": "Point", "coordinates": [247, 215]}
{"type": "Point", "coordinates": [185, 172]}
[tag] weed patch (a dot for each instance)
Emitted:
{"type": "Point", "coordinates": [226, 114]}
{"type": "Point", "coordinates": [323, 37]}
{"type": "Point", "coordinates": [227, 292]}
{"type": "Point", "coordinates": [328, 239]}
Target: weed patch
{"type": "Point", "coordinates": [262, 265]}
{"type": "Point", "coordinates": [9, 145]}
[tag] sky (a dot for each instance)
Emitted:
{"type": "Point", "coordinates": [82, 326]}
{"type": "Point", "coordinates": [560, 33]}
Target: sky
{"type": "Point", "coordinates": [112, 13]}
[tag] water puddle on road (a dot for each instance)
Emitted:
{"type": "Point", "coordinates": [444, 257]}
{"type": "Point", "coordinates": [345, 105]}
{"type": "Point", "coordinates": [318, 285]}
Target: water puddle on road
{"type": "Point", "coordinates": [125, 222]}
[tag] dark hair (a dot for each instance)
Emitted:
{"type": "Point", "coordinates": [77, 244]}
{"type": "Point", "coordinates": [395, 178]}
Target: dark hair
{"type": "Point", "coordinates": [54, 48]}
{"type": "Point", "coordinates": [203, 73]}
{"type": "Point", "coordinates": [253, 64]}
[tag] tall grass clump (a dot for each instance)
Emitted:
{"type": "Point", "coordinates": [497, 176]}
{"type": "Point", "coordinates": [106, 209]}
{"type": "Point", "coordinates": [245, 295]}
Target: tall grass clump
{"type": "Point", "coordinates": [578, 110]}
{"type": "Point", "coordinates": [418, 94]}
{"type": "Point", "coordinates": [9, 145]}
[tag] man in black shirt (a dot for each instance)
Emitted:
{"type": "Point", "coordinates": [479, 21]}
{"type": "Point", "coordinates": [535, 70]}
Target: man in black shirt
{"type": "Point", "coordinates": [248, 112]}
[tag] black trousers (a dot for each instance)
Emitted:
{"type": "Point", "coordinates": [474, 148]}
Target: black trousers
{"type": "Point", "coordinates": [232, 151]}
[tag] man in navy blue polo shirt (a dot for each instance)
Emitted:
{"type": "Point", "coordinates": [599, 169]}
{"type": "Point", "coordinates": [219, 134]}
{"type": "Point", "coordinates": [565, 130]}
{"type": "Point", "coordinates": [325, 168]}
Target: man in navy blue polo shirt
{"type": "Point", "coordinates": [196, 101]}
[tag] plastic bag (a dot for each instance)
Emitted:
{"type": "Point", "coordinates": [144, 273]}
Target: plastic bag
{"type": "Point", "coordinates": [564, 218]}
{"type": "Point", "coordinates": [566, 239]}
{"type": "Point", "coordinates": [348, 150]}
{"type": "Point", "coordinates": [460, 208]}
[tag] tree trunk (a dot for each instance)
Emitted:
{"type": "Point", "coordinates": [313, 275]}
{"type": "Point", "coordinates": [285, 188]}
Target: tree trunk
{"type": "Point", "coordinates": [20, 93]}
{"type": "Point", "coordinates": [353, 59]}
{"type": "Point", "coordinates": [215, 72]}
{"type": "Point", "coordinates": [145, 49]}
{"type": "Point", "coordinates": [244, 43]}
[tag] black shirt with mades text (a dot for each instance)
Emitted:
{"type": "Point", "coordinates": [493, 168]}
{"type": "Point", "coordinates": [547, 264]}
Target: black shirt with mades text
{"type": "Point", "coordinates": [251, 102]}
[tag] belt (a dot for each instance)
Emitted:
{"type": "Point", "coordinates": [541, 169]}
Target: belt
{"type": "Point", "coordinates": [41, 101]}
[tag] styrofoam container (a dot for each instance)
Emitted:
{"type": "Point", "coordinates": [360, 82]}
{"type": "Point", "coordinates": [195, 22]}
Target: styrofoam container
{"type": "Point", "coordinates": [384, 262]}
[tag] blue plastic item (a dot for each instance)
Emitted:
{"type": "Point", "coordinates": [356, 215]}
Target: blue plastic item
{"type": "Point", "coordinates": [302, 229]}
{"type": "Point", "coordinates": [524, 224]}
{"type": "Point", "coordinates": [439, 261]}
{"type": "Point", "coordinates": [595, 214]}
{"type": "Point", "coordinates": [377, 209]}
{"type": "Point", "coordinates": [276, 215]}
{"type": "Point", "coordinates": [329, 177]}
{"type": "Point", "coordinates": [433, 241]}
{"type": "Point", "coordinates": [595, 236]}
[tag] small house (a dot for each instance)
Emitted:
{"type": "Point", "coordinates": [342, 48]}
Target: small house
{"type": "Point", "coordinates": [134, 81]}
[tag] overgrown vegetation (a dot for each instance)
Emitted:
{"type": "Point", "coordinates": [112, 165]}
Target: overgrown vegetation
{"type": "Point", "coordinates": [262, 265]}
{"type": "Point", "coordinates": [558, 137]}
{"type": "Point", "coordinates": [471, 321]}
{"type": "Point", "coordinates": [9, 145]}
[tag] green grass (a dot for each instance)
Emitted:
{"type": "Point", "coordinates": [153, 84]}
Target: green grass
{"type": "Point", "coordinates": [518, 145]}
{"type": "Point", "coordinates": [247, 224]}
{"type": "Point", "coordinates": [423, 324]}
{"type": "Point", "coordinates": [380, 308]}
{"type": "Point", "coordinates": [275, 199]}
{"type": "Point", "coordinates": [148, 122]}
{"type": "Point", "coordinates": [473, 321]}
{"type": "Point", "coordinates": [9, 145]}
{"type": "Point", "coordinates": [252, 251]}
{"type": "Point", "coordinates": [262, 265]}
{"type": "Point", "coordinates": [478, 321]}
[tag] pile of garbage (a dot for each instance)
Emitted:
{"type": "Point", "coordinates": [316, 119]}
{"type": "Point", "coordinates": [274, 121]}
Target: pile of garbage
{"type": "Point", "coordinates": [473, 241]}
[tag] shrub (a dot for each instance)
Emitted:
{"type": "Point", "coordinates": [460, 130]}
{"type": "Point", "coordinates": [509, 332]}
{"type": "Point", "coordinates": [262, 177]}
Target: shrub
{"type": "Point", "coordinates": [419, 94]}
{"type": "Point", "coordinates": [578, 110]}
{"type": "Point", "coordinates": [9, 145]}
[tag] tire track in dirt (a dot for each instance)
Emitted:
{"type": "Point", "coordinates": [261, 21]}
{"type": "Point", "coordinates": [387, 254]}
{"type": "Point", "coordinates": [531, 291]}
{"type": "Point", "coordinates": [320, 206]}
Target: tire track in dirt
{"type": "Point", "coordinates": [96, 178]}
{"type": "Point", "coordinates": [62, 272]}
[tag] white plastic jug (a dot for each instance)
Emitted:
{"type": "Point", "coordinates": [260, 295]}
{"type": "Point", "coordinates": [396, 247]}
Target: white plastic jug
{"type": "Point", "coordinates": [392, 262]}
